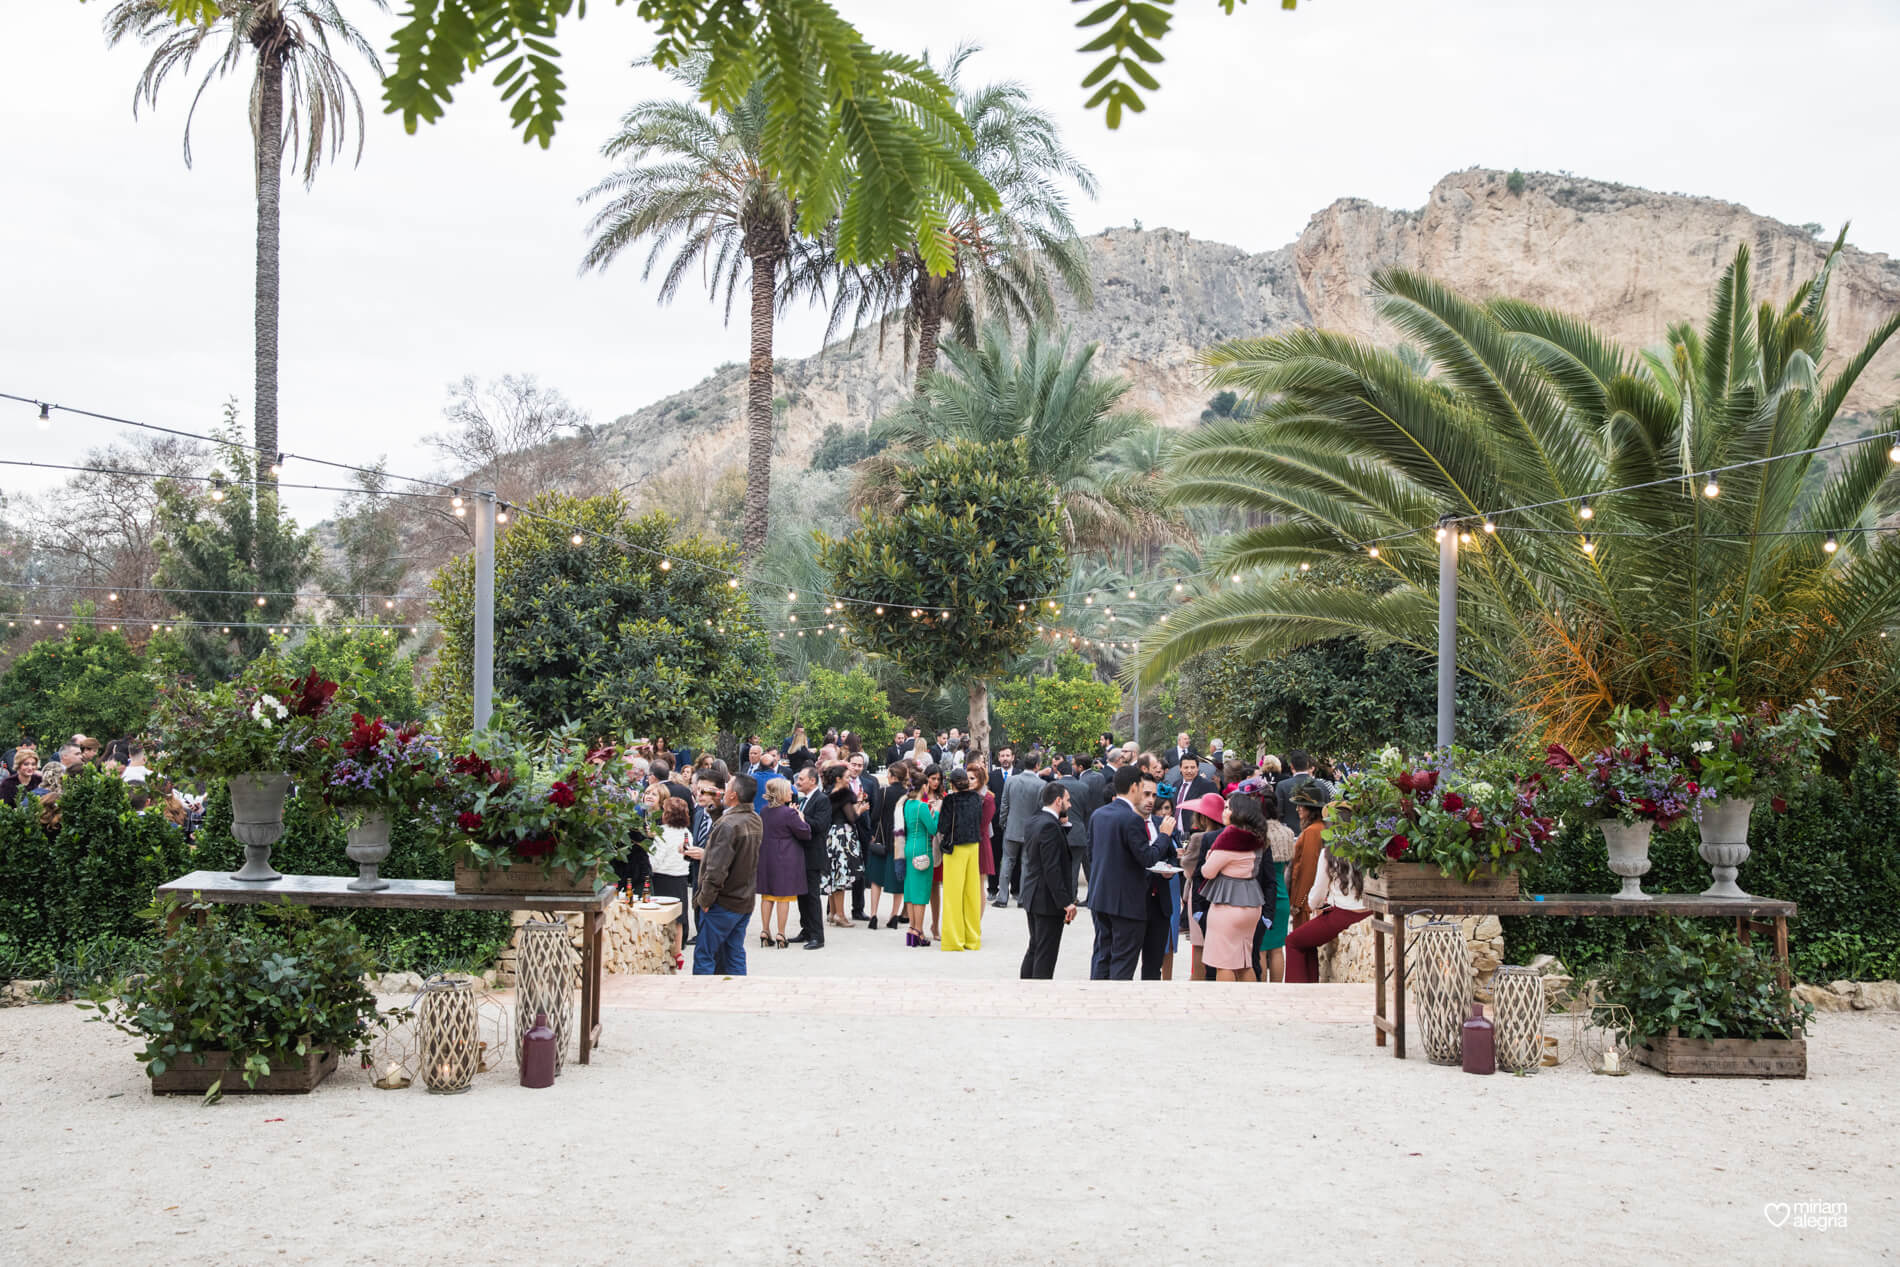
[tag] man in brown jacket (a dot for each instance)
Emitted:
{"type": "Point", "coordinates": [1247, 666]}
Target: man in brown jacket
{"type": "Point", "coordinates": [727, 876]}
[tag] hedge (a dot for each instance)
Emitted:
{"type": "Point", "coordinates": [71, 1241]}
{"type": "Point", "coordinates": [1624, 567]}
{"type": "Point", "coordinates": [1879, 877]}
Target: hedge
{"type": "Point", "coordinates": [1832, 853]}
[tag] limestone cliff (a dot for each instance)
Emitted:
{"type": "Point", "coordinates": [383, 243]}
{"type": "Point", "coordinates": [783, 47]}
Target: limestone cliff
{"type": "Point", "coordinates": [1629, 260]}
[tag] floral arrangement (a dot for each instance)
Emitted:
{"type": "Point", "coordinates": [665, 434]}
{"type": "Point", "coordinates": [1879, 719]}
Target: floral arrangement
{"type": "Point", "coordinates": [549, 800]}
{"type": "Point", "coordinates": [380, 768]}
{"type": "Point", "coordinates": [1459, 810]}
{"type": "Point", "coordinates": [1732, 751]}
{"type": "Point", "coordinates": [1630, 782]}
{"type": "Point", "coordinates": [258, 722]}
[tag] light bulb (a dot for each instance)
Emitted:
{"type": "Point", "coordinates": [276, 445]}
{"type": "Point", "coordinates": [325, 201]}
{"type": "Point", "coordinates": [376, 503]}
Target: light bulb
{"type": "Point", "coordinates": [1372, 552]}
{"type": "Point", "coordinates": [576, 538]}
{"type": "Point", "coordinates": [260, 600]}
{"type": "Point", "coordinates": [461, 512]}
{"type": "Point", "coordinates": [915, 613]}
{"type": "Point", "coordinates": [1711, 489]}
{"type": "Point", "coordinates": [1830, 545]}
{"type": "Point", "coordinates": [1465, 538]}
{"type": "Point", "coordinates": [1589, 546]}
{"type": "Point", "coordinates": [1489, 526]}
{"type": "Point", "coordinates": [1893, 455]}
{"type": "Point", "coordinates": [455, 501]}
{"type": "Point", "coordinates": [666, 565]}
{"type": "Point", "coordinates": [112, 597]}
{"type": "Point", "coordinates": [1439, 535]}
{"type": "Point", "coordinates": [1584, 512]}
{"type": "Point", "coordinates": [1305, 566]}
{"type": "Point", "coordinates": [793, 617]}
{"type": "Point", "coordinates": [791, 596]}
{"type": "Point", "coordinates": [501, 516]}
{"type": "Point", "coordinates": [879, 610]}
{"type": "Point", "coordinates": [1089, 601]}
{"type": "Point", "coordinates": [277, 467]}
{"type": "Point", "coordinates": [732, 583]}
{"type": "Point", "coordinates": [1131, 593]}
{"type": "Point", "coordinates": [1178, 587]}
{"type": "Point", "coordinates": [389, 603]}
{"type": "Point", "coordinates": [46, 420]}
{"type": "Point", "coordinates": [217, 493]}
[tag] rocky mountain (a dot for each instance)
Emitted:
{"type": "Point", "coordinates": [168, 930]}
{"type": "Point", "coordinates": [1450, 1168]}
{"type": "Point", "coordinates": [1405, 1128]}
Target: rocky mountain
{"type": "Point", "coordinates": [1629, 260]}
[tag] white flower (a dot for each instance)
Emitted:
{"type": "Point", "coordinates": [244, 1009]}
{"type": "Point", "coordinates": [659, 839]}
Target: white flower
{"type": "Point", "coordinates": [1479, 789]}
{"type": "Point", "coordinates": [1702, 745]}
{"type": "Point", "coordinates": [264, 722]}
{"type": "Point", "coordinates": [1388, 755]}
{"type": "Point", "coordinates": [276, 706]}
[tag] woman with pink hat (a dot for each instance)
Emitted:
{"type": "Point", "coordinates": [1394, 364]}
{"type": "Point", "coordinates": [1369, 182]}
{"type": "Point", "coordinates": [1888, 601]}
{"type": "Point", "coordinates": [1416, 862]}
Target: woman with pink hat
{"type": "Point", "coordinates": [1211, 809]}
{"type": "Point", "coordinates": [1239, 878]}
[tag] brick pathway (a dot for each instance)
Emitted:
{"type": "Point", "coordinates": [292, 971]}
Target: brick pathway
{"type": "Point", "coordinates": [998, 1000]}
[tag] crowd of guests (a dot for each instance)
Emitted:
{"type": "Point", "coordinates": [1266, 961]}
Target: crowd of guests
{"type": "Point", "coordinates": [27, 778]}
{"type": "Point", "coordinates": [921, 836]}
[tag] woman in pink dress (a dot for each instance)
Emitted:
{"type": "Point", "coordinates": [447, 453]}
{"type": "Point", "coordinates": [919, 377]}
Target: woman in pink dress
{"type": "Point", "coordinates": [1232, 873]}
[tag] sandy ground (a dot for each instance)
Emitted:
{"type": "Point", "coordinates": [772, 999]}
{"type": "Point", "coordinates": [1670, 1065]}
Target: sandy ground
{"type": "Point", "coordinates": [773, 1120]}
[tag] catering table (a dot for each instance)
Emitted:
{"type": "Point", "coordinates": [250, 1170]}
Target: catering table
{"type": "Point", "coordinates": [417, 895]}
{"type": "Point", "coordinates": [1750, 916]}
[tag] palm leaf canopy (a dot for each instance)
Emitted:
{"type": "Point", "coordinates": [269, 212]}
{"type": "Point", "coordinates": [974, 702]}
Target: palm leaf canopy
{"type": "Point", "coordinates": [1522, 418]}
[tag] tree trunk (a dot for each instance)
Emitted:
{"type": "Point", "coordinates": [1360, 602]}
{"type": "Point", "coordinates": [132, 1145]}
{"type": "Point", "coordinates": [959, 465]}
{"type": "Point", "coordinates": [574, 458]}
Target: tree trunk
{"type": "Point", "coordinates": [980, 717]}
{"type": "Point", "coordinates": [929, 327]}
{"type": "Point", "coordinates": [270, 171]}
{"type": "Point", "coordinates": [758, 409]}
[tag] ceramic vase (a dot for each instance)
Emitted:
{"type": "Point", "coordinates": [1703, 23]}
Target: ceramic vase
{"type": "Point", "coordinates": [368, 846]}
{"type": "Point", "coordinates": [1725, 844]}
{"type": "Point", "coordinates": [1629, 854]}
{"type": "Point", "coordinates": [257, 821]}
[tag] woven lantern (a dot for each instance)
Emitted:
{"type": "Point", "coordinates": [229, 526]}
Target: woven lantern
{"type": "Point", "coordinates": [1443, 981]}
{"type": "Point", "coordinates": [544, 982]}
{"type": "Point", "coordinates": [448, 1035]}
{"type": "Point", "coordinates": [1518, 1008]}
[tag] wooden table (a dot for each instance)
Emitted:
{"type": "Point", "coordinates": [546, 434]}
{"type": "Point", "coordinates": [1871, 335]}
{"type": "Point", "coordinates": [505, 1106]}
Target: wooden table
{"type": "Point", "coordinates": [418, 895]}
{"type": "Point", "coordinates": [1388, 920]}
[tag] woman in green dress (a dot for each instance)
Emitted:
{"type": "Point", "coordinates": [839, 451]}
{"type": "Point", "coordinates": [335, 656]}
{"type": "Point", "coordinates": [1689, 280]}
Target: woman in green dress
{"type": "Point", "coordinates": [920, 826]}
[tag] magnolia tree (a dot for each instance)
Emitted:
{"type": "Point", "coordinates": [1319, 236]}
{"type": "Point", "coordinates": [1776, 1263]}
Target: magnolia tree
{"type": "Point", "coordinates": [949, 586]}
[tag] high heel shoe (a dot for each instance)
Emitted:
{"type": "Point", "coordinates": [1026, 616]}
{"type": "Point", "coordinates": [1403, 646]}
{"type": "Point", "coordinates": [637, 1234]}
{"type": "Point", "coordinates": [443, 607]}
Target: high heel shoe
{"type": "Point", "coordinates": [874, 923]}
{"type": "Point", "coordinates": [910, 939]}
{"type": "Point", "coordinates": [765, 941]}
{"type": "Point", "coordinates": [781, 943]}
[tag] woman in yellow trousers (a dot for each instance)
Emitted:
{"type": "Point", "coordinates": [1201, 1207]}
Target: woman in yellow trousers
{"type": "Point", "coordinates": [961, 824]}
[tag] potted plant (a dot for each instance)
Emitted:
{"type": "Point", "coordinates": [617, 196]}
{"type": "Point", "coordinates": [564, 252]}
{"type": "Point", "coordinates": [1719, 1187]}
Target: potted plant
{"type": "Point", "coordinates": [535, 814]}
{"type": "Point", "coordinates": [378, 771]}
{"type": "Point", "coordinates": [1452, 824]}
{"type": "Point", "coordinates": [1630, 789]}
{"type": "Point", "coordinates": [1735, 756]}
{"type": "Point", "coordinates": [1701, 1003]}
{"type": "Point", "coordinates": [258, 733]}
{"type": "Point", "coordinates": [264, 1000]}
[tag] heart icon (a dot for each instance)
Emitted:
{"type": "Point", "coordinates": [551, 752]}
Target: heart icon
{"type": "Point", "coordinates": [1777, 1212]}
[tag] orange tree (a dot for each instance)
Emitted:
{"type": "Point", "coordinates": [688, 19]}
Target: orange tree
{"type": "Point", "coordinates": [1066, 712]}
{"type": "Point", "coordinates": [948, 583]}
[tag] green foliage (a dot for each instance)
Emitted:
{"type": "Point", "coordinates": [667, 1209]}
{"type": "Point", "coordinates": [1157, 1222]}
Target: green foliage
{"type": "Point", "coordinates": [838, 447]}
{"type": "Point", "coordinates": [1531, 408]}
{"type": "Point", "coordinates": [600, 634]}
{"type": "Point", "coordinates": [1728, 749]}
{"type": "Point", "coordinates": [312, 844]}
{"type": "Point", "coordinates": [977, 538]}
{"type": "Point", "coordinates": [1227, 405]}
{"type": "Point", "coordinates": [67, 892]}
{"type": "Point", "coordinates": [1130, 31]}
{"type": "Point", "coordinates": [1515, 183]}
{"type": "Point", "coordinates": [259, 721]}
{"type": "Point", "coordinates": [91, 681]}
{"type": "Point", "coordinates": [266, 985]}
{"type": "Point", "coordinates": [1066, 712]}
{"type": "Point", "coordinates": [1458, 810]}
{"type": "Point", "coordinates": [223, 556]}
{"type": "Point", "coordinates": [865, 138]}
{"type": "Point", "coordinates": [1831, 853]}
{"type": "Point", "coordinates": [1702, 982]}
{"type": "Point", "coordinates": [1336, 698]}
{"type": "Point", "coordinates": [377, 679]}
{"type": "Point", "coordinates": [850, 701]}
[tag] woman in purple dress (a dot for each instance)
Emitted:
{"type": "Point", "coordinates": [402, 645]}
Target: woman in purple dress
{"type": "Point", "coordinates": [781, 860]}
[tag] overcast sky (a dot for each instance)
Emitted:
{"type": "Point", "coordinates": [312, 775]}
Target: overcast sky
{"type": "Point", "coordinates": [128, 278]}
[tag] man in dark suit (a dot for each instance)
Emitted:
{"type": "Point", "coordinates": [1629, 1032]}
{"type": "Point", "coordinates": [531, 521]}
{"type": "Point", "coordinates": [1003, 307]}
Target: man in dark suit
{"type": "Point", "coordinates": [1078, 816]}
{"type": "Point", "coordinates": [867, 795]}
{"type": "Point", "coordinates": [816, 807]}
{"type": "Point", "coordinates": [1120, 852]}
{"type": "Point", "coordinates": [1171, 759]}
{"type": "Point", "coordinates": [1022, 801]}
{"type": "Point", "coordinates": [1193, 786]}
{"type": "Point", "coordinates": [899, 749]}
{"type": "Point", "coordinates": [999, 775]}
{"type": "Point", "coordinates": [1048, 890]}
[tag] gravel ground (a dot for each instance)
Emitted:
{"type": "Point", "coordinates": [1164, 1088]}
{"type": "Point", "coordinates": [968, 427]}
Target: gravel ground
{"type": "Point", "coordinates": [762, 1137]}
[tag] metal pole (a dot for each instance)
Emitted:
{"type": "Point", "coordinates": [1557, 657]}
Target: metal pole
{"type": "Point", "coordinates": [1447, 629]}
{"type": "Point", "coordinates": [484, 608]}
{"type": "Point", "coordinates": [1138, 714]}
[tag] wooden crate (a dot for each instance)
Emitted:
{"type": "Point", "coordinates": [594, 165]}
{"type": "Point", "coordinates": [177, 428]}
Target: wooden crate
{"type": "Point", "coordinates": [198, 1071]}
{"type": "Point", "coordinates": [1411, 881]}
{"type": "Point", "coordinates": [525, 880]}
{"type": "Point", "coordinates": [1724, 1057]}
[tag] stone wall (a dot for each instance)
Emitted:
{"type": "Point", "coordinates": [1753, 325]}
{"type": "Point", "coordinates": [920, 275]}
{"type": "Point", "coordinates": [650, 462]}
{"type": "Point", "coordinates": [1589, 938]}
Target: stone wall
{"type": "Point", "coordinates": [632, 944]}
{"type": "Point", "coordinates": [1349, 958]}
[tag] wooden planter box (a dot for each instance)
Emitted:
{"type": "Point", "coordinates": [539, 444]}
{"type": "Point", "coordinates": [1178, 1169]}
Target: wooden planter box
{"type": "Point", "coordinates": [1724, 1057]}
{"type": "Point", "coordinates": [1410, 881]}
{"type": "Point", "coordinates": [195, 1078]}
{"type": "Point", "coordinates": [530, 879]}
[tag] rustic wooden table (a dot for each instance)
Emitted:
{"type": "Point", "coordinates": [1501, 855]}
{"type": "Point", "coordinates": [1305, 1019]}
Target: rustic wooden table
{"type": "Point", "coordinates": [1751, 916]}
{"type": "Point", "coordinates": [419, 895]}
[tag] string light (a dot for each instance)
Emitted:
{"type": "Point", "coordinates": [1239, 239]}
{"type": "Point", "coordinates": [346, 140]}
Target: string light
{"type": "Point", "coordinates": [576, 538]}
{"type": "Point", "coordinates": [1711, 489]}
{"type": "Point", "coordinates": [1584, 512]}
{"type": "Point", "coordinates": [791, 596]}
{"type": "Point", "coordinates": [217, 487]}
{"type": "Point", "coordinates": [880, 611]}
{"type": "Point", "coordinates": [1489, 526]}
{"type": "Point", "coordinates": [1589, 546]}
{"type": "Point", "coordinates": [112, 597]}
{"type": "Point", "coordinates": [260, 600]}
{"type": "Point", "coordinates": [456, 502]}
{"type": "Point", "coordinates": [1131, 593]}
{"type": "Point", "coordinates": [666, 565]}
{"type": "Point", "coordinates": [1178, 587]}
{"type": "Point", "coordinates": [1439, 535]}
{"type": "Point", "coordinates": [1830, 545]}
{"type": "Point", "coordinates": [501, 514]}
{"type": "Point", "coordinates": [916, 614]}
{"type": "Point", "coordinates": [1372, 551]}
{"type": "Point", "coordinates": [732, 583]}
{"type": "Point", "coordinates": [46, 421]}
{"type": "Point", "coordinates": [1465, 538]}
{"type": "Point", "coordinates": [1305, 566]}
{"type": "Point", "coordinates": [1893, 455]}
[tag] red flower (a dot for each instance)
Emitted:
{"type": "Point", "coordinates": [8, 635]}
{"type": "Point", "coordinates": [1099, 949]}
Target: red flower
{"type": "Point", "coordinates": [535, 847]}
{"type": "Point", "coordinates": [1780, 806]}
{"type": "Point", "coordinates": [562, 794]}
{"type": "Point", "coordinates": [409, 732]}
{"type": "Point", "coordinates": [1558, 757]}
{"type": "Point", "coordinates": [1474, 817]}
{"type": "Point", "coordinates": [364, 734]}
{"type": "Point", "coordinates": [469, 821]}
{"type": "Point", "coordinates": [1451, 802]}
{"type": "Point", "coordinates": [308, 696]}
{"type": "Point", "coordinates": [603, 754]}
{"type": "Point", "coordinates": [1692, 788]}
{"type": "Point", "coordinates": [471, 764]}
{"type": "Point", "coordinates": [1417, 781]}
{"type": "Point", "coordinates": [1397, 846]}
{"type": "Point", "coordinates": [1735, 740]}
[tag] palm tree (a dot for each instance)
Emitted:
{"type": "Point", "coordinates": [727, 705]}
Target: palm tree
{"type": "Point", "coordinates": [1071, 419]}
{"type": "Point", "coordinates": [1009, 259]}
{"type": "Point", "coordinates": [299, 89]}
{"type": "Point", "coordinates": [696, 179]}
{"type": "Point", "coordinates": [1774, 572]}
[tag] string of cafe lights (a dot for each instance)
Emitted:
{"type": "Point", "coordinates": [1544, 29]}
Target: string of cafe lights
{"type": "Point", "coordinates": [112, 592]}
{"type": "Point", "coordinates": [28, 620]}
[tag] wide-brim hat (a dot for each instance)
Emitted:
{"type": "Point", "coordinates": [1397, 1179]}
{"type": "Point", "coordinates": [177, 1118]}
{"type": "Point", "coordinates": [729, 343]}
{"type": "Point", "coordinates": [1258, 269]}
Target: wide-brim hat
{"type": "Point", "coordinates": [1207, 805]}
{"type": "Point", "coordinates": [1311, 795]}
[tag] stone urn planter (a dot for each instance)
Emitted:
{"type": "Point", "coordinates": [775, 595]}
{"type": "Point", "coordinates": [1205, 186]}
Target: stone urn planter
{"type": "Point", "coordinates": [1725, 844]}
{"type": "Point", "coordinates": [368, 846]}
{"type": "Point", "coordinates": [1629, 854]}
{"type": "Point", "coordinates": [257, 821]}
